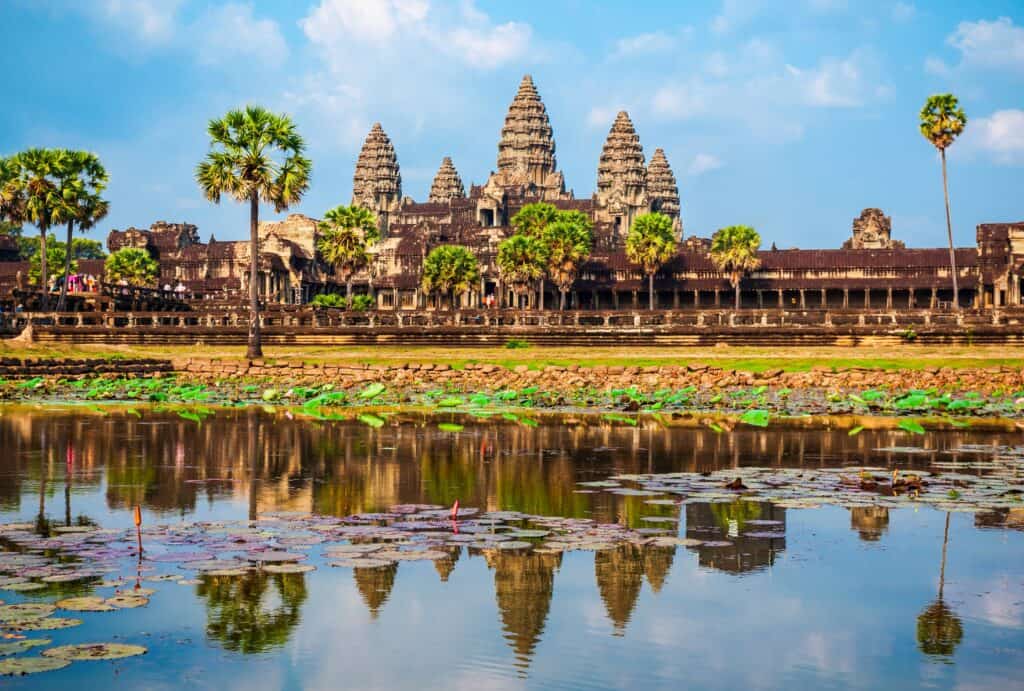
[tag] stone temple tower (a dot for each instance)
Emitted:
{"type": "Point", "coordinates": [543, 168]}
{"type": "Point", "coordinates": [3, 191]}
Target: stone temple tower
{"type": "Point", "coordinates": [621, 177]}
{"type": "Point", "coordinates": [662, 190]}
{"type": "Point", "coordinates": [526, 152]}
{"type": "Point", "coordinates": [377, 183]}
{"type": "Point", "coordinates": [447, 184]}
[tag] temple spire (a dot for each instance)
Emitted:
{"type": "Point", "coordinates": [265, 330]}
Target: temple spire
{"type": "Point", "coordinates": [526, 151]}
{"type": "Point", "coordinates": [447, 184]}
{"type": "Point", "coordinates": [662, 189]}
{"type": "Point", "coordinates": [377, 182]}
{"type": "Point", "coordinates": [621, 176]}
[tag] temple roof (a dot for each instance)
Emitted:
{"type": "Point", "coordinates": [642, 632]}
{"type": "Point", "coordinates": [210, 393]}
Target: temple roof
{"type": "Point", "coordinates": [661, 185]}
{"type": "Point", "coordinates": [622, 160]}
{"type": "Point", "coordinates": [447, 183]}
{"type": "Point", "coordinates": [377, 171]}
{"type": "Point", "coordinates": [527, 142]}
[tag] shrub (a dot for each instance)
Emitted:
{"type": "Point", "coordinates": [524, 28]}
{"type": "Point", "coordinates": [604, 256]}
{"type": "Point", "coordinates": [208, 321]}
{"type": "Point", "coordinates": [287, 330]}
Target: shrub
{"type": "Point", "coordinates": [516, 344]}
{"type": "Point", "coordinates": [361, 303]}
{"type": "Point", "coordinates": [328, 300]}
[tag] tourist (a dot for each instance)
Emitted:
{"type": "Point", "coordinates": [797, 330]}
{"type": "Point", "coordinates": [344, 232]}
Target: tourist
{"type": "Point", "coordinates": [180, 290]}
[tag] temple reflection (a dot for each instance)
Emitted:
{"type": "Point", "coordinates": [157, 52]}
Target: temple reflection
{"type": "Point", "coordinates": [739, 536]}
{"type": "Point", "coordinates": [870, 522]}
{"type": "Point", "coordinates": [375, 586]}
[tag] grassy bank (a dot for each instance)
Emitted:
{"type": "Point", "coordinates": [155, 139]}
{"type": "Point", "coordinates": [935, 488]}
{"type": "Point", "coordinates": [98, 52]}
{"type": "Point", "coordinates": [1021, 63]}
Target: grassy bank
{"type": "Point", "coordinates": [750, 359]}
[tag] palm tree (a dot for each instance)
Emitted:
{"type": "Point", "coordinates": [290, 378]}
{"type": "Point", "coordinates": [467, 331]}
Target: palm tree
{"type": "Point", "coordinates": [348, 231]}
{"type": "Point", "coordinates": [531, 220]}
{"type": "Point", "coordinates": [133, 265]}
{"type": "Point", "coordinates": [651, 243]}
{"type": "Point", "coordinates": [450, 269]}
{"type": "Point", "coordinates": [82, 179]}
{"type": "Point", "coordinates": [939, 630]}
{"type": "Point", "coordinates": [241, 163]}
{"type": "Point", "coordinates": [521, 261]}
{"type": "Point", "coordinates": [734, 251]}
{"type": "Point", "coordinates": [568, 243]}
{"type": "Point", "coordinates": [12, 198]}
{"type": "Point", "coordinates": [942, 121]}
{"type": "Point", "coordinates": [35, 189]}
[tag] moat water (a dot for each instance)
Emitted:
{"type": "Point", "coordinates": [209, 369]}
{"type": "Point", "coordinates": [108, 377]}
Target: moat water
{"type": "Point", "coordinates": [751, 595]}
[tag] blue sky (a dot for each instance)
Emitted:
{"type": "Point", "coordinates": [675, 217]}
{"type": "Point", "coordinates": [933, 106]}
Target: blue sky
{"type": "Point", "coordinates": [789, 116]}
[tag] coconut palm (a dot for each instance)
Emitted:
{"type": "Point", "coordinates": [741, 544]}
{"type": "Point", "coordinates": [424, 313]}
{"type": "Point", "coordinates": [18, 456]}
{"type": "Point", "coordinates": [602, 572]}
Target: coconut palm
{"type": "Point", "coordinates": [568, 242]}
{"type": "Point", "coordinates": [33, 188]}
{"type": "Point", "coordinates": [942, 121]}
{"type": "Point", "coordinates": [450, 269]}
{"type": "Point", "coordinates": [734, 251]}
{"type": "Point", "coordinates": [82, 180]}
{"type": "Point", "coordinates": [132, 265]}
{"type": "Point", "coordinates": [347, 233]}
{"type": "Point", "coordinates": [939, 630]}
{"type": "Point", "coordinates": [521, 260]}
{"type": "Point", "coordinates": [255, 155]}
{"type": "Point", "coordinates": [650, 244]}
{"type": "Point", "coordinates": [531, 220]}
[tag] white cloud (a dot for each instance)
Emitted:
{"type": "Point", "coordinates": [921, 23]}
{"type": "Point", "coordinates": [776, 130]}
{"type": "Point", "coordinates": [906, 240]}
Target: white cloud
{"type": "Point", "coordinates": [1000, 135]}
{"type": "Point", "coordinates": [936, 66]}
{"type": "Point", "coordinates": [991, 44]}
{"type": "Point", "coordinates": [847, 83]}
{"type": "Point", "coordinates": [340, 27]}
{"type": "Point", "coordinates": [644, 44]}
{"type": "Point", "coordinates": [903, 11]}
{"type": "Point", "coordinates": [681, 101]}
{"type": "Point", "coordinates": [703, 163]}
{"type": "Point", "coordinates": [150, 21]}
{"type": "Point", "coordinates": [733, 14]}
{"type": "Point", "coordinates": [231, 31]}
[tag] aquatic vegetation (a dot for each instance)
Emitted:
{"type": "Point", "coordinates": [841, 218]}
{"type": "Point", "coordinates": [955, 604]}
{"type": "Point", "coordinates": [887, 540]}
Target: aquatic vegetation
{"type": "Point", "coordinates": [19, 666]}
{"type": "Point", "coordinates": [94, 651]}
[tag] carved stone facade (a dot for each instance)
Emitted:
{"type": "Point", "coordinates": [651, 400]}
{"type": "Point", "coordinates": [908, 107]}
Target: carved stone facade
{"type": "Point", "coordinates": [872, 230]}
{"type": "Point", "coordinates": [377, 182]}
{"type": "Point", "coordinates": [662, 191]}
{"type": "Point", "coordinates": [526, 151]}
{"type": "Point", "coordinates": [447, 184]}
{"type": "Point", "coordinates": [621, 178]}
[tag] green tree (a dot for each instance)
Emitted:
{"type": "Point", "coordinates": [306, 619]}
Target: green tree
{"type": "Point", "coordinates": [82, 181]}
{"type": "Point", "coordinates": [56, 257]}
{"type": "Point", "coordinates": [522, 260]}
{"type": "Point", "coordinates": [450, 270]}
{"type": "Point", "coordinates": [942, 121]}
{"type": "Point", "coordinates": [255, 155]}
{"type": "Point", "coordinates": [245, 616]}
{"type": "Point", "coordinates": [567, 242]}
{"type": "Point", "coordinates": [734, 251]}
{"type": "Point", "coordinates": [133, 265]}
{"type": "Point", "coordinates": [531, 220]}
{"type": "Point", "coordinates": [86, 248]}
{"type": "Point", "coordinates": [650, 244]}
{"type": "Point", "coordinates": [347, 234]}
{"type": "Point", "coordinates": [32, 190]}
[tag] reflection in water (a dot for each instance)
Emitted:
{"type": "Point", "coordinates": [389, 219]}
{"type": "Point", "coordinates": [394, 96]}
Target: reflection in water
{"type": "Point", "coordinates": [870, 522]}
{"type": "Point", "coordinates": [241, 464]}
{"type": "Point", "coordinates": [939, 630]}
{"type": "Point", "coordinates": [255, 612]}
{"type": "Point", "coordinates": [523, 585]}
{"type": "Point", "coordinates": [732, 542]}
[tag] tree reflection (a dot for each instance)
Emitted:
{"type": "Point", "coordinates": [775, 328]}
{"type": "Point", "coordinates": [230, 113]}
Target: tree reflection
{"type": "Point", "coordinates": [939, 629]}
{"type": "Point", "coordinates": [246, 615]}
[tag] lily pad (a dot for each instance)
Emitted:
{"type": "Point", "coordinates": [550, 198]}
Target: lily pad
{"type": "Point", "coordinates": [88, 603]}
{"type": "Point", "coordinates": [45, 624]}
{"type": "Point", "coordinates": [127, 601]}
{"type": "Point", "coordinates": [25, 610]}
{"type": "Point", "coordinates": [289, 568]}
{"type": "Point", "coordinates": [21, 646]}
{"type": "Point", "coordinates": [20, 666]}
{"type": "Point", "coordinates": [95, 651]}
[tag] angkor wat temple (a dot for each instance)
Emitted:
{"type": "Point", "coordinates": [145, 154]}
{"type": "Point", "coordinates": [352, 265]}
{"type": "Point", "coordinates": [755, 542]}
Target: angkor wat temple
{"type": "Point", "coordinates": [870, 270]}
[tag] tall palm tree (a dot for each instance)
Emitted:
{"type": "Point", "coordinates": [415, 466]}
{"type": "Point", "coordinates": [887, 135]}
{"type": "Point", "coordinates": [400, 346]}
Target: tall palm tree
{"type": "Point", "coordinates": [651, 243]}
{"type": "Point", "coordinates": [942, 121]}
{"type": "Point", "coordinates": [734, 251]}
{"type": "Point", "coordinates": [347, 233]}
{"type": "Point", "coordinates": [531, 220]}
{"type": "Point", "coordinates": [450, 269]}
{"type": "Point", "coordinates": [521, 261]}
{"type": "Point", "coordinates": [82, 180]}
{"type": "Point", "coordinates": [568, 243]}
{"type": "Point", "coordinates": [255, 155]}
{"type": "Point", "coordinates": [37, 186]}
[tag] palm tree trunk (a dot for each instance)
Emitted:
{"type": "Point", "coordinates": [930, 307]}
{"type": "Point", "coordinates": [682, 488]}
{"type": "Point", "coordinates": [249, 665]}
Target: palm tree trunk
{"type": "Point", "coordinates": [650, 290]}
{"type": "Point", "coordinates": [942, 569]}
{"type": "Point", "coordinates": [540, 296]}
{"type": "Point", "coordinates": [348, 289]}
{"type": "Point", "coordinates": [949, 232]}
{"type": "Point", "coordinates": [43, 283]}
{"type": "Point", "coordinates": [561, 298]}
{"type": "Point", "coordinates": [255, 349]}
{"type": "Point", "coordinates": [736, 289]}
{"type": "Point", "coordinates": [67, 271]}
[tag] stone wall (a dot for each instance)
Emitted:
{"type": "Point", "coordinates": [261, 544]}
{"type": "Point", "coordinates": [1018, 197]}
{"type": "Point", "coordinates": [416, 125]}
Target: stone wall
{"type": "Point", "coordinates": [16, 368]}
